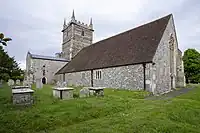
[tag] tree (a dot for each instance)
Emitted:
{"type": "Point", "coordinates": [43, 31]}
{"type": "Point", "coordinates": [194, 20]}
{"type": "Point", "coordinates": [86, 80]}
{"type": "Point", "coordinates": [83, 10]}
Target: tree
{"type": "Point", "coordinates": [191, 61]}
{"type": "Point", "coordinates": [9, 67]}
{"type": "Point", "coordinates": [4, 40]}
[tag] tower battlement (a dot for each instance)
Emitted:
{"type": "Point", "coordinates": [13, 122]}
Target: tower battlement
{"type": "Point", "coordinates": [76, 35]}
{"type": "Point", "coordinates": [76, 22]}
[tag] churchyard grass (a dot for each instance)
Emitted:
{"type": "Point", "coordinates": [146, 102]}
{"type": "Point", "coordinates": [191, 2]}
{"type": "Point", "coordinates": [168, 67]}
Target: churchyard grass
{"type": "Point", "coordinates": [117, 112]}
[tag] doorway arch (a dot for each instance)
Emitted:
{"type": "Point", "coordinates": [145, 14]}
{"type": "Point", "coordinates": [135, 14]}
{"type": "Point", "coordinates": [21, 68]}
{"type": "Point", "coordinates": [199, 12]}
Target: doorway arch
{"type": "Point", "coordinates": [44, 80]}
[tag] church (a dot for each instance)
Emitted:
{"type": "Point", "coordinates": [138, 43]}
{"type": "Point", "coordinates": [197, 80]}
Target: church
{"type": "Point", "coordinates": [76, 36]}
{"type": "Point", "coordinates": [143, 58]}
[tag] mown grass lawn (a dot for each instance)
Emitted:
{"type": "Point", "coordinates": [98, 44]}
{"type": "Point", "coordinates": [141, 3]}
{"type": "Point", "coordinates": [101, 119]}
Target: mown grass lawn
{"type": "Point", "coordinates": [116, 112]}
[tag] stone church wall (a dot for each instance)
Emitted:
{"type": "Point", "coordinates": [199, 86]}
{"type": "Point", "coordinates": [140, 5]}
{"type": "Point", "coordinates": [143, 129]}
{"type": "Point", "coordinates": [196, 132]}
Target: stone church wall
{"type": "Point", "coordinates": [51, 67]}
{"type": "Point", "coordinates": [78, 78]}
{"type": "Point", "coordinates": [124, 77]}
{"type": "Point", "coordinates": [161, 81]}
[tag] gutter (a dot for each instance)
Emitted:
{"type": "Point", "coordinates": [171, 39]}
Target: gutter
{"type": "Point", "coordinates": [92, 78]}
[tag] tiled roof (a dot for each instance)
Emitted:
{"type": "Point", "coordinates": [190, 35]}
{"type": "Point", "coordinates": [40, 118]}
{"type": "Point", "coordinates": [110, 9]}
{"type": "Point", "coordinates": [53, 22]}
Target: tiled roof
{"type": "Point", "coordinates": [34, 56]}
{"type": "Point", "coordinates": [134, 46]}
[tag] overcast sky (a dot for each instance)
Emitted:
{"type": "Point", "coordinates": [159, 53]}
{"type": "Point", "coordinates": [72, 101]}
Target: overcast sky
{"type": "Point", "coordinates": [35, 25]}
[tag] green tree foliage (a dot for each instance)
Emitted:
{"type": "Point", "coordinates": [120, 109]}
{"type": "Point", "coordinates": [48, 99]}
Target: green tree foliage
{"type": "Point", "coordinates": [9, 67]}
{"type": "Point", "coordinates": [191, 61]}
{"type": "Point", "coordinates": [4, 40]}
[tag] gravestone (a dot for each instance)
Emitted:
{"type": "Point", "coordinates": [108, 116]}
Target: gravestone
{"type": "Point", "coordinates": [17, 82]}
{"type": "Point", "coordinates": [26, 83]}
{"type": "Point", "coordinates": [1, 83]}
{"type": "Point", "coordinates": [64, 84]}
{"type": "Point", "coordinates": [22, 96]}
{"type": "Point", "coordinates": [96, 91]}
{"type": "Point", "coordinates": [91, 92]}
{"type": "Point", "coordinates": [58, 84]}
{"type": "Point", "coordinates": [11, 82]}
{"type": "Point", "coordinates": [39, 84]}
{"type": "Point", "coordinates": [84, 92]}
{"type": "Point", "coordinates": [63, 92]}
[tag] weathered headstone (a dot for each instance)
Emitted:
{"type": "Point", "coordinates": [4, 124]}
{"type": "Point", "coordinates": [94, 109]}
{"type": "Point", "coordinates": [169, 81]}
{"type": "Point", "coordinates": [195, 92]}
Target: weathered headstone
{"type": "Point", "coordinates": [26, 83]}
{"type": "Point", "coordinates": [91, 92]}
{"type": "Point", "coordinates": [17, 82]}
{"type": "Point", "coordinates": [58, 84]}
{"type": "Point", "coordinates": [39, 84]}
{"type": "Point", "coordinates": [64, 84]}
{"type": "Point", "coordinates": [11, 82]}
{"type": "Point", "coordinates": [84, 92]}
{"type": "Point", "coordinates": [1, 83]}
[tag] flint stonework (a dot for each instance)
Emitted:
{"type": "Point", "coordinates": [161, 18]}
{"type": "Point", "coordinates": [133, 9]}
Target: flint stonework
{"type": "Point", "coordinates": [22, 96]}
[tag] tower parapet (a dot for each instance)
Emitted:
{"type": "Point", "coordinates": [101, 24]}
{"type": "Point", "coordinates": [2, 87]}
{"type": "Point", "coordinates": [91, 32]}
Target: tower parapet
{"type": "Point", "coordinates": [74, 21]}
{"type": "Point", "coordinates": [76, 35]}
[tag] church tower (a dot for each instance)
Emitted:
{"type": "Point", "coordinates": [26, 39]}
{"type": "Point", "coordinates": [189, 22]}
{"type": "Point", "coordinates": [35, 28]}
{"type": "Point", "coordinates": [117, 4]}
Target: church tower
{"type": "Point", "coordinates": [76, 35]}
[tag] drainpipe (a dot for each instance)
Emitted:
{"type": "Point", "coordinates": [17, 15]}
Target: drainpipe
{"type": "Point", "coordinates": [144, 73]}
{"type": "Point", "coordinates": [92, 78]}
{"type": "Point", "coordinates": [63, 77]}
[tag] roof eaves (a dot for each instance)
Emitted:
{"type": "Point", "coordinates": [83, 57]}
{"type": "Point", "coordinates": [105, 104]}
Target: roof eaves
{"type": "Point", "coordinates": [105, 67]}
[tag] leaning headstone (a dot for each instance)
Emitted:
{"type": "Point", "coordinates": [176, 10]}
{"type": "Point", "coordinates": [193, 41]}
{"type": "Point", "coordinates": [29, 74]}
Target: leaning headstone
{"type": "Point", "coordinates": [84, 92]}
{"type": "Point", "coordinates": [17, 82]}
{"type": "Point", "coordinates": [39, 84]}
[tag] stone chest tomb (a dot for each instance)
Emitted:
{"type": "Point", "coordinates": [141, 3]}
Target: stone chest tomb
{"type": "Point", "coordinates": [22, 96]}
{"type": "Point", "coordinates": [63, 93]}
{"type": "Point", "coordinates": [96, 91]}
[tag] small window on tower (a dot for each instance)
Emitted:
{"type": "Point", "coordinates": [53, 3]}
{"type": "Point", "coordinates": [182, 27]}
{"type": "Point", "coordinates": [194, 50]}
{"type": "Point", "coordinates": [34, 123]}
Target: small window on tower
{"type": "Point", "coordinates": [82, 33]}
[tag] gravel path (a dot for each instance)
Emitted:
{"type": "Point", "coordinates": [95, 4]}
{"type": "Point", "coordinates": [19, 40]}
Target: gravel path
{"type": "Point", "coordinates": [170, 94]}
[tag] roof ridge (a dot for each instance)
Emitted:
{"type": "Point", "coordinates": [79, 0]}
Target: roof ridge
{"type": "Point", "coordinates": [46, 56]}
{"type": "Point", "coordinates": [133, 46]}
{"type": "Point", "coordinates": [132, 29]}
